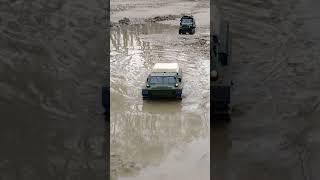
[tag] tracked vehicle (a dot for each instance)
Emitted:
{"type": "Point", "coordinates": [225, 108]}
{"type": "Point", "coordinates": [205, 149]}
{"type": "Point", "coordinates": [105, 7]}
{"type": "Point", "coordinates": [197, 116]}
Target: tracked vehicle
{"type": "Point", "coordinates": [187, 25]}
{"type": "Point", "coordinates": [220, 76]}
{"type": "Point", "coordinates": [165, 81]}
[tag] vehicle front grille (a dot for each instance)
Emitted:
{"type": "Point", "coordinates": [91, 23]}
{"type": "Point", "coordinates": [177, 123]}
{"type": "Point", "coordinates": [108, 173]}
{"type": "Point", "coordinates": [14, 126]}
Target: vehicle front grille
{"type": "Point", "coordinates": [162, 93]}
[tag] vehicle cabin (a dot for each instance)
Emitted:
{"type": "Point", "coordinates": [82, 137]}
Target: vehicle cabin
{"type": "Point", "coordinates": [187, 25]}
{"type": "Point", "coordinates": [165, 80]}
{"type": "Point", "coordinates": [169, 72]}
{"type": "Point", "coordinates": [166, 68]}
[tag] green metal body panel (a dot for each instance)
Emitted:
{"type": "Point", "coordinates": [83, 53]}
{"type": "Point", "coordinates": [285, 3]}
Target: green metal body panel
{"type": "Point", "coordinates": [163, 90]}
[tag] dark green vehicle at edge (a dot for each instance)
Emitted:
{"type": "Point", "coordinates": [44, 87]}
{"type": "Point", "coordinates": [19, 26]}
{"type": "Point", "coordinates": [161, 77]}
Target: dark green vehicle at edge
{"type": "Point", "coordinates": [221, 72]}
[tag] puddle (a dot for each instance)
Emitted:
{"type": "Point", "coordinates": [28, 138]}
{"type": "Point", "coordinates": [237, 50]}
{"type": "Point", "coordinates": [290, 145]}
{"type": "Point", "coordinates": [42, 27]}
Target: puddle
{"type": "Point", "coordinates": [144, 134]}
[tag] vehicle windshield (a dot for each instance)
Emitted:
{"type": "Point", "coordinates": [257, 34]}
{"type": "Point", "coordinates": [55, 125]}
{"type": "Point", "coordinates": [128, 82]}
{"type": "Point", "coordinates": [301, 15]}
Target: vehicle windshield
{"type": "Point", "coordinates": [186, 21]}
{"type": "Point", "coordinates": [162, 80]}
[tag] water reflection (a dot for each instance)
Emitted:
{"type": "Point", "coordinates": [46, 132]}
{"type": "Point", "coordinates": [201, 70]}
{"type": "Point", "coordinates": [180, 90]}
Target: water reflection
{"type": "Point", "coordinates": [142, 138]}
{"type": "Point", "coordinates": [160, 106]}
{"type": "Point", "coordinates": [124, 38]}
{"type": "Point", "coordinates": [219, 149]}
{"type": "Point", "coordinates": [143, 133]}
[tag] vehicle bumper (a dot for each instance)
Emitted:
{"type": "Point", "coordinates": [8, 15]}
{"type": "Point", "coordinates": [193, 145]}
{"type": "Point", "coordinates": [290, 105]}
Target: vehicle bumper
{"type": "Point", "coordinates": [185, 29]}
{"type": "Point", "coordinates": [145, 93]}
{"type": "Point", "coordinates": [161, 93]}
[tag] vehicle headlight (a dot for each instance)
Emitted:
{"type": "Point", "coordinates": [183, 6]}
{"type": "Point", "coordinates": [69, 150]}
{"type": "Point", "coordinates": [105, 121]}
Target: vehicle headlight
{"type": "Point", "coordinates": [177, 85]}
{"type": "Point", "coordinates": [148, 85]}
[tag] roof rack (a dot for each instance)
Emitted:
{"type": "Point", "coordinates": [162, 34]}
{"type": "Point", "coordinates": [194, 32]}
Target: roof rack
{"type": "Point", "coordinates": [165, 68]}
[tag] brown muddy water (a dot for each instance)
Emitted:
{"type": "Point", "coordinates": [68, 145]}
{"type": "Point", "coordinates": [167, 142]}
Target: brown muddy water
{"type": "Point", "coordinates": [158, 139]}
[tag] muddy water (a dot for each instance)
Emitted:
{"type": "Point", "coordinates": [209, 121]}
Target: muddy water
{"type": "Point", "coordinates": [149, 137]}
{"type": "Point", "coordinates": [276, 93]}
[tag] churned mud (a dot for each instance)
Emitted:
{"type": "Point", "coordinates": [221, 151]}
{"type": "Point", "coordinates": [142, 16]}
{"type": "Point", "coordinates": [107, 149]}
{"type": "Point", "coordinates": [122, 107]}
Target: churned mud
{"type": "Point", "coordinates": [159, 140]}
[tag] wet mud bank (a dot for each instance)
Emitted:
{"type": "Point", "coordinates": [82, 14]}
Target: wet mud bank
{"type": "Point", "coordinates": [52, 61]}
{"type": "Point", "coordinates": [276, 98]}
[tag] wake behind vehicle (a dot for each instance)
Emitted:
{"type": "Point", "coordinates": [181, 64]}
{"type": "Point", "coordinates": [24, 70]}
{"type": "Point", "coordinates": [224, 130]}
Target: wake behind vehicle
{"type": "Point", "coordinates": [165, 81]}
{"type": "Point", "coordinates": [187, 25]}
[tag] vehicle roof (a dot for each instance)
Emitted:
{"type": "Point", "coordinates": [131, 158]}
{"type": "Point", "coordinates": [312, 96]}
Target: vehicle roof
{"type": "Point", "coordinates": [186, 16]}
{"type": "Point", "coordinates": [163, 74]}
{"type": "Point", "coordinates": [165, 68]}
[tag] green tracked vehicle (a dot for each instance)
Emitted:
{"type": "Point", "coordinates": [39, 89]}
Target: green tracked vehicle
{"type": "Point", "coordinates": [220, 76]}
{"type": "Point", "coordinates": [165, 81]}
{"type": "Point", "coordinates": [187, 25]}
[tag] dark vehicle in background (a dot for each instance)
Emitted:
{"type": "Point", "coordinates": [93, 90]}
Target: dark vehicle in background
{"type": "Point", "coordinates": [106, 100]}
{"type": "Point", "coordinates": [220, 72]}
{"type": "Point", "coordinates": [165, 81]}
{"type": "Point", "coordinates": [187, 25]}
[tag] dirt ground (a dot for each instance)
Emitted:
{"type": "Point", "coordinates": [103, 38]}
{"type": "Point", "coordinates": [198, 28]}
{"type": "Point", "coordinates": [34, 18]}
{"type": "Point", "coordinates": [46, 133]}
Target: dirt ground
{"type": "Point", "coordinates": [162, 140]}
{"type": "Point", "coordinates": [274, 133]}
